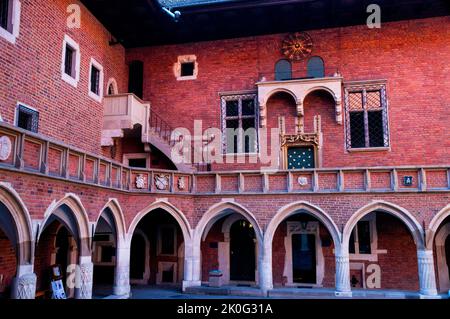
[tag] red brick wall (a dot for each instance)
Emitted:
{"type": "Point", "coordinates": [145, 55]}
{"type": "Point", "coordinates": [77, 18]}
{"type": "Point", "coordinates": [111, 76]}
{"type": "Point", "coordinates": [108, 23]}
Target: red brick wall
{"type": "Point", "coordinates": [30, 72]}
{"type": "Point", "coordinates": [399, 269]}
{"type": "Point", "coordinates": [210, 256]}
{"type": "Point", "coordinates": [398, 52]}
{"type": "Point", "coordinates": [8, 263]}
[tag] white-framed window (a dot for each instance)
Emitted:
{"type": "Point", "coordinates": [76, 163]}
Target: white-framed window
{"type": "Point", "coordinates": [96, 80]}
{"type": "Point", "coordinates": [70, 63]}
{"type": "Point", "coordinates": [10, 19]}
{"type": "Point", "coordinates": [239, 124]}
{"type": "Point", "coordinates": [27, 118]}
{"type": "Point", "coordinates": [167, 240]}
{"type": "Point", "coordinates": [186, 68]}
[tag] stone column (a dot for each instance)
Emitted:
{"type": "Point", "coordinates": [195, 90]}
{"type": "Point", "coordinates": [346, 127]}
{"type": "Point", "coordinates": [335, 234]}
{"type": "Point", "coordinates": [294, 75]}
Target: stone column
{"type": "Point", "coordinates": [85, 278]}
{"type": "Point", "coordinates": [122, 273]}
{"type": "Point", "coordinates": [192, 267]}
{"type": "Point", "coordinates": [427, 277]}
{"type": "Point", "coordinates": [24, 284]}
{"type": "Point", "coordinates": [343, 288]}
{"type": "Point", "coordinates": [265, 269]}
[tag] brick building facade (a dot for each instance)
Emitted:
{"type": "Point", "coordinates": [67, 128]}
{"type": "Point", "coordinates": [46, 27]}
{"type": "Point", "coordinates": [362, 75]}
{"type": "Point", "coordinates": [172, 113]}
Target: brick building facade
{"type": "Point", "coordinates": [354, 199]}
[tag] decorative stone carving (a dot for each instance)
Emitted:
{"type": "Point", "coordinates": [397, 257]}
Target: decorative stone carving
{"type": "Point", "coordinates": [300, 138]}
{"type": "Point", "coordinates": [427, 277]}
{"type": "Point", "coordinates": [140, 181]}
{"type": "Point", "coordinates": [302, 181]}
{"type": "Point", "coordinates": [25, 287]}
{"type": "Point", "coordinates": [181, 183]}
{"type": "Point", "coordinates": [161, 182]}
{"type": "Point", "coordinates": [5, 148]}
{"type": "Point", "coordinates": [297, 46]}
{"type": "Point", "coordinates": [86, 275]}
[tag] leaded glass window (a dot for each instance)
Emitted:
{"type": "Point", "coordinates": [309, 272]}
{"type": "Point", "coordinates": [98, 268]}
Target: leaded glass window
{"type": "Point", "coordinates": [366, 116]}
{"type": "Point", "coordinates": [239, 124]}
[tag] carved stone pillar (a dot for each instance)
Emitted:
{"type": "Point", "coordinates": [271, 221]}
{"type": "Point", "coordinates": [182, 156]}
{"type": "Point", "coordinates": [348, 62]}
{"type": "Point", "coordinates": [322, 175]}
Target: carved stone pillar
{"type": "Point", "coordinates": [343, 288]}
{"type": "Point", "coordinates": [262, 114]}
{"type": "Point", "coordinates": [122, 275]}
{"type": "Point", "coordinates": [24, 287]}
{"type": "Point", "coordinates": [339, 112]}
{"type": "Point", "coordinates": [265, 269]}
{"type": "Point", "coordinates": [84, 288]}
{"type": "Point", "coordinates": [192, 267]}
{"type": "Point", "coordinates": [427, 277]}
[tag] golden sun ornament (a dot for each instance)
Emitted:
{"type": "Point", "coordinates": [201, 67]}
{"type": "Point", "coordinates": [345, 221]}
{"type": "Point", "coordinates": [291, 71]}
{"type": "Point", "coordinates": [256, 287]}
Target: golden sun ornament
{"type": "Point", "coordinates": [297, 46]}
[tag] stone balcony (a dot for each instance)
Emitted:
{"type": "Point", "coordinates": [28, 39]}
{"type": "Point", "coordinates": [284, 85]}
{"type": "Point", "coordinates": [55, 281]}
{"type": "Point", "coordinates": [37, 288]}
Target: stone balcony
{"type": "Point", "coordinates": [124, 112]}
{"type": "Point", "coordinates": [299, 89]}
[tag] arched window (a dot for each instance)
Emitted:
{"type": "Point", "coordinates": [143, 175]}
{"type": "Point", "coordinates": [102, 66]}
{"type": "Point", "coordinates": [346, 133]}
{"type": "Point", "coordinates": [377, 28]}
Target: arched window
{"type": "Point", "coordinates": [316, 67]}
{"type": "Point", "coordinates": [283, 70]}
{"type": "Point", "coordinates": [112, 87]}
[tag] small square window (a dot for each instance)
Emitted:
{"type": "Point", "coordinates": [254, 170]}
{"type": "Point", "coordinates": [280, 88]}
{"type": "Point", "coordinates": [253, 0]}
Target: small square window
{"type": "Point", "coordinates": [137, 162]}
{"type": "Point", "coordinates": [9, 20]}
{"type": "Point", "coordinates": [5, 7]}
{"type": "Point", "coordinates": [69, 67]}
{"type": "Point", "coordinates": [70, 64]}
{"type": "Point", "coordinates": [95, 80]}
{"type": "Point", "coordinates": [27, 118]}
{"type": "Point", "coordinates": [187, 69]}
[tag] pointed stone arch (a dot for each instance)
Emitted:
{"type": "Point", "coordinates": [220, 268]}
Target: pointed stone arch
{"type": "Point", "coordinates": [21, 223]}
{"type": "Point", "coordinates": [167, 207]}
{"type": "Point", "coordinates": [305, 207]}
{"type": "Point", "coordinates": [219, 210]}
{"type": "Point", "coordinates": [80, 216]}
{"type": "Point", "coordinates": [401, 213]}
{"type": "Point", "coordinates": [434, 225]}
{"type": "Point", "coordinates": [209, 218]}
{"type": "Point", "coordinates": [119, 219]}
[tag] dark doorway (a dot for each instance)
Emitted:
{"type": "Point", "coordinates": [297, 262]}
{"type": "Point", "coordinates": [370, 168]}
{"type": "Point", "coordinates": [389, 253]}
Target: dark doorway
{"type": "Point", "coordinates": [136, 78]}
{"type": "Point", "coordinates": [447, 253]}
{"type": "Point", "coordinates": [242, 251]}
{"type": "Point", "coordinates": [62, 251]}
{"type": "Point", "coordinates": [304, 258]}
{"type": "Point", "coordinates": [137, 257]}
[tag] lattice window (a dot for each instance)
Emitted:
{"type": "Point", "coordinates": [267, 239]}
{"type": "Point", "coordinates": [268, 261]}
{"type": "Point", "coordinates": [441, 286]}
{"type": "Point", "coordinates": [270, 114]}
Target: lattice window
{"type": "Point", "coordinates": [239, 124]}
{"type": "Point", "coordinates": [366, 116]}
{"type": "Point", "coordinates": [27, 118]}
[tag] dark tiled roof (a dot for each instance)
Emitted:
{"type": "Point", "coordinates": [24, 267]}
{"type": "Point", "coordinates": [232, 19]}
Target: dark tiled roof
{"type": "Point", "coordinates": [187, 3]}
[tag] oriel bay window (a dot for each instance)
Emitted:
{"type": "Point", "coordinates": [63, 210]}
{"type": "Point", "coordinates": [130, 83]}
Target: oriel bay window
{"type": "Point", "coordinates": [239, 124]}
{"type": "Point", "coordinates": [366, 116]}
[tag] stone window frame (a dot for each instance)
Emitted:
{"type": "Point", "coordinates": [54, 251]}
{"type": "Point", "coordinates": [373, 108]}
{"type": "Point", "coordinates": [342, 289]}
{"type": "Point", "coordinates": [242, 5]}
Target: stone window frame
{"type": "Point", "coordinates": [159, 232]}
{"type": "Point", "coordinates": [224, 97]}
{"type": "Point", "coordinates": [97, 97]}
{"type": "Point", "coordinates": [373, 256]}
{"type": "Point", "coordinates": [363, 87]}
{"type": "Point", "coordinates": [128, 156]}
{"type": "Point", "coordinates": [191, 58]}
{"type": "Point", "coordinates": [32, 109]}
{"type": "Point", "coordinates": [12, 33]}
{"type": "Point", "coordinates": [112, 82]}
{"type": "Point", "coordinates": [68, 41]}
